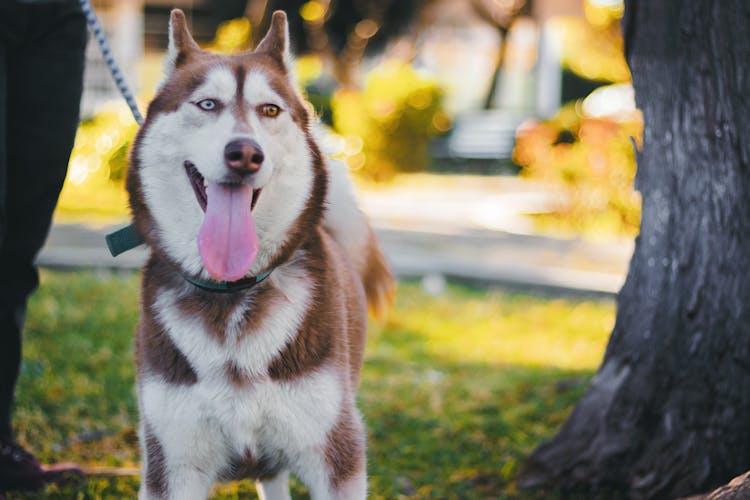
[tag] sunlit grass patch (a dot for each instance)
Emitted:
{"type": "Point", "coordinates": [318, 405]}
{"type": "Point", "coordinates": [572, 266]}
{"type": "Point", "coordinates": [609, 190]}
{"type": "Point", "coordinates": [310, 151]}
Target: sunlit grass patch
{"type": "Point", "coordinates": [493, 327]}
{"type": "Point", "coordinates": [456, 389]}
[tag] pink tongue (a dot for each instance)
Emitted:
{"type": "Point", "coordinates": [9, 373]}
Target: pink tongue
{"type": "Point", "coordinates": [227, 241]}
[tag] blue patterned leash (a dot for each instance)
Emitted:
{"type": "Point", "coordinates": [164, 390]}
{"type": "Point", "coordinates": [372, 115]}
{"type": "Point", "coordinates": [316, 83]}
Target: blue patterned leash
{"type": "Point", "coordinates": [127, 237]}
{"type": "Point", "coordinates": [96, 28]}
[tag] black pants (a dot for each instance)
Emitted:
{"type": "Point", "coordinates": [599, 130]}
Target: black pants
{"type": "Point", "coordinates": [42, 47]}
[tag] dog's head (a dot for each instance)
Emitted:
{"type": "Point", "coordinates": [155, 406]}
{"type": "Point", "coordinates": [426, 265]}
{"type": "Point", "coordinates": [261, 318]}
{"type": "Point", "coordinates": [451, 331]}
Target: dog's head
{"type": "Point", "coordinates": [225, 178]}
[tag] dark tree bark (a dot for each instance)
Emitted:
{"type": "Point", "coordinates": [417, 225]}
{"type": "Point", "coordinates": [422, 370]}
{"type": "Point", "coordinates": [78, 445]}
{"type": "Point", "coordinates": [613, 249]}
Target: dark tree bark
{"type": "Point", "coordinates": [668, 413]}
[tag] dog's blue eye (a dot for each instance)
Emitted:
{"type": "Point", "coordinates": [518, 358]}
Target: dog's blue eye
{"type": "Point", "coordinates": [207, 104]}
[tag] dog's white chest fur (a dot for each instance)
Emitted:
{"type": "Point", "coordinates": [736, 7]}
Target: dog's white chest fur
{"type": "Point", "coordinates": [215, 419]}
{"type": "Point", "coordinates": [261, 411]}
{"type": "Point", "coordinates": [266, 418]}
{"type": "Point", "coordinates": [250, 351]}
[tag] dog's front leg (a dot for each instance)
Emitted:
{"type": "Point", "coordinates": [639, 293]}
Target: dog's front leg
{"type": "Point", "coordinates": [184, 482]}
{"type": "Point", "coordinates": [338, 470]}
{"type": "Point", "coordinates": [178, 465]}
{"type": "Point", "coordinates": [276, 488]}
{"type": "Point", "coordinates": [326, 483]}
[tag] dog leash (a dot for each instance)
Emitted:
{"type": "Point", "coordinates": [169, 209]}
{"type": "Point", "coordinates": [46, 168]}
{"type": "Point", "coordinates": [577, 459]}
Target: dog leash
{"type": "Point", "coordinates": [126, 238]}
{"type": "Point", "coordinates": [96, 28]}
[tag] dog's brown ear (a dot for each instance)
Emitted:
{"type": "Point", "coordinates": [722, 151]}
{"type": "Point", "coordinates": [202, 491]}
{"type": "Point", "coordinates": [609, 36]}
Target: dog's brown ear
{"type": "Point", "coordinates": [181, 44]}
{"type": "Point", "coordinates": [276, 41]}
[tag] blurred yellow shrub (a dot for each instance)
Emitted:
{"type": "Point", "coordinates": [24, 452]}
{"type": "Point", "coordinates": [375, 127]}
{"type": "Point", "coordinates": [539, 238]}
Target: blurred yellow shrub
{"type": "Point", "coordinates": [593, 52]}
{"type": "Point", "coordinates": [592, 45]}
{"type": "Point", "coordinates": [387, 125]}
{"type": "Point", "coordinates": [593, 159]}
{"type": "Point", "coordinates": [98, 163]}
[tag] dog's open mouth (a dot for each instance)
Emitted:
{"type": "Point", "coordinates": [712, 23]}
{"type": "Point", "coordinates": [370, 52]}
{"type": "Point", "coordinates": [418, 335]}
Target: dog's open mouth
{"type": "Point", "coordinates": [199, 187]}
{"type": "Point", "coordinates": [227, 238]}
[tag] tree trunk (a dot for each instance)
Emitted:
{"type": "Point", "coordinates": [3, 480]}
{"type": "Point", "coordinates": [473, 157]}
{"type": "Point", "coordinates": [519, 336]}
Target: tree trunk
{"type": "Point", "coordinates": [668, 413]}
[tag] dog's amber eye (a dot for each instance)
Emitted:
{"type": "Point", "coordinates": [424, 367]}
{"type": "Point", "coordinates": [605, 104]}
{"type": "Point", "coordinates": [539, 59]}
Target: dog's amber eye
{"type": "Point", "coordinates": [270, 110]}
{"type": "Point", "coordinates": [207, 104]}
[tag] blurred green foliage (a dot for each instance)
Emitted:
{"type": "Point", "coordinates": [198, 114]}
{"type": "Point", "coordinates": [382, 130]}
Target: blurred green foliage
{"type": "Point", "coordinates": [388, 124]}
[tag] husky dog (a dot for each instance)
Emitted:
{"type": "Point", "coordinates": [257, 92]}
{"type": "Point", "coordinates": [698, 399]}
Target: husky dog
{"type": "Point", "coordinates": [254, 299]}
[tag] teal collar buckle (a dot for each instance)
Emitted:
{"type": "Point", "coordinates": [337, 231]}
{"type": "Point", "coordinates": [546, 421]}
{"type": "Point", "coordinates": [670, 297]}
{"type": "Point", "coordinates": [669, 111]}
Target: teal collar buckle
{"type": "Point", "coordinates": [227, 286]}
{"type": "Point", "coordinates": [124, 239]}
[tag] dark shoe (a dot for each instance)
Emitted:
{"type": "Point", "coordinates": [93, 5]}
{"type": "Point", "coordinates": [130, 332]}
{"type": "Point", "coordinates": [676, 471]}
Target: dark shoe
{"type": "Point", "coordinates": [19, 470]}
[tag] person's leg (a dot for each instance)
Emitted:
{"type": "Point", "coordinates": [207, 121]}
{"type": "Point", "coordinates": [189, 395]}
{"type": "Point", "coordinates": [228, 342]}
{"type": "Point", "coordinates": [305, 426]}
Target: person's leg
{"type": "Point", "coordinates": [10, 342]}
{"type": "Point", "coordinates": [43, 84]}
{"type": "Point", "coordinates": [45, 80]}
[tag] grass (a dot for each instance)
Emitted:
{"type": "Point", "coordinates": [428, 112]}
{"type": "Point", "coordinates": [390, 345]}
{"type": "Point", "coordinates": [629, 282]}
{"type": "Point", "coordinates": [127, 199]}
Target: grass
{"type": "Point", "coordinates": [457, 389]}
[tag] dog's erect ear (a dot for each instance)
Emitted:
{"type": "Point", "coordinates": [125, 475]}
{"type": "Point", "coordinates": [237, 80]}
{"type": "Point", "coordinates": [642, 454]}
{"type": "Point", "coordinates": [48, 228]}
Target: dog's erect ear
{"type": "Point", "coordinates": [276, 41]}
{"type": "Point", "coordinates": [181, 44]}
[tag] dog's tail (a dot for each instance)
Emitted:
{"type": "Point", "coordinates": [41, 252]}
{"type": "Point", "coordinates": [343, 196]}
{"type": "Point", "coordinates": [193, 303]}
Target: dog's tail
{"type": "Point", "coordinates": [380, 287]}
{"type": "Point", "coordinates": [350, 228]}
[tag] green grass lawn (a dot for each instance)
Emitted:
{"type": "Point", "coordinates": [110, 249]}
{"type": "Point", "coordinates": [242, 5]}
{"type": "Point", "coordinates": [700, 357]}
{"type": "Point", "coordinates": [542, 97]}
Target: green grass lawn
{"type": "Point", "coordinates": [456, 389]}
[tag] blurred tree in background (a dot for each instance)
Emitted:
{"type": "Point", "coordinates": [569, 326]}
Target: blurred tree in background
{"type": "Point", "coordinates": [341, 31]}
{"type": "Point", "coordinates": [386, 114]}
{"type": "Point", "coordinates": [500, 15]}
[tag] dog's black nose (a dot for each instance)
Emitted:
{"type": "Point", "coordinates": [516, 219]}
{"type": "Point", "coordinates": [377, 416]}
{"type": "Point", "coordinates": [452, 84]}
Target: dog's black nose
{"type": "Point", "coordinates": [243, 156]}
